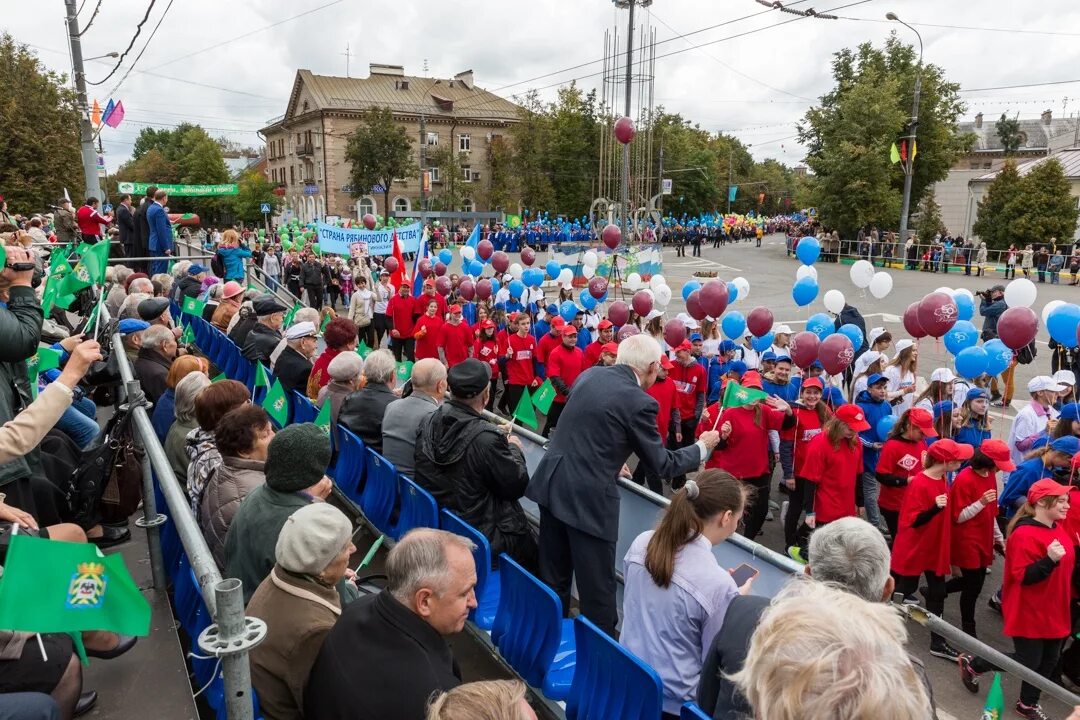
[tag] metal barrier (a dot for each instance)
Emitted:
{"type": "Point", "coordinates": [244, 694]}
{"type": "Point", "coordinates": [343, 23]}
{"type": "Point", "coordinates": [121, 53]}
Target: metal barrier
{"type": "Point", "coordinates": [233, 635]}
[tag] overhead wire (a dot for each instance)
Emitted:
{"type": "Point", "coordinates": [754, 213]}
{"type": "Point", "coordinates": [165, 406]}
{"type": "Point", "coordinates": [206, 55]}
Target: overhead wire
{"type": "Point", "coordinates": [93, 17]}
{"type": "Point", "coordinates": [970, 27]}
{"type": "Point", "coordinates": [148, 41]}
{"type": "Point", "coordinates": [120, 60]}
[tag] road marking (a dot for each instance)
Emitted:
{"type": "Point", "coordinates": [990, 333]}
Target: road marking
{"type": "Point", "coordinates": [702, 263]}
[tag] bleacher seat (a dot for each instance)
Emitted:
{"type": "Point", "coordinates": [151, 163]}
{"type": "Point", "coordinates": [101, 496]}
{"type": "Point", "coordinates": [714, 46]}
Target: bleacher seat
{"type": "Point", "coordinates": [610, 683]}
{"type": "Point", "coordinates": [531, 633]}
{"type": "Point", "coordinates": [690, 711]}
{"type": "Point", "coordinates": [417, 508]}
{"type": "Point", "coordinates": [379, 495]}
{"type": "Point", "coordinates": [487, 579]}
{"type": "Point", "coordinates": [352, 461]}
{"type": "Point", "coordinates": [302, 409]}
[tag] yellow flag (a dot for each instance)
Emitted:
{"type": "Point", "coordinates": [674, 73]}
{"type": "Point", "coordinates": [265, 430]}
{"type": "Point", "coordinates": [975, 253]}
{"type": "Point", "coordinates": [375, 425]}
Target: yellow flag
{"type": "Point", "coordinates": [914, 150]}
{"type": "Point", "coordinates": [95, 113]}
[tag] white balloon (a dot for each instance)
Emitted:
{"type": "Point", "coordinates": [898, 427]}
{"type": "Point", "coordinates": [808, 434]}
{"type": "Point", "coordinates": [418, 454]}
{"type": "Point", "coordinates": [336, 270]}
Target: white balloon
{"type": "Point", "coordinates": [590, 259]}
{"type": "Point", "coordinates": [947, 290]}
{"type": "Point", "coordinates": [1020, 293]}
{"type": "Point", "coordinates": [881, 285]}
{"type": "Point", "coordinates": [588, 271]}
{"type": "Point", "coordinates": [862, 272]}
{"type": "Point", "coordinates": [663, 295]}
{"type": "Point", "coordinates": [1051, 307]}
{"type": "Point", "coordinates": [804, 271]}
{"type": "Point", "coordinates": [633, 281]}
{"type": "Point", "coordinates": [656, 281]}
{"type": "Point", "coordinates": [834, 301]}
{"type": "Point", "coordinates": [515, 271]}
{"type": "Point", "coordinates": [743, 286]}
{"type": "Point", "coordinates": [469, 253]}
{"type": "Point", "coordinates": [566, 277]}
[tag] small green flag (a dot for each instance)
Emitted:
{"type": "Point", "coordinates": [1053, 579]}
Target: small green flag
{"type": "Point", "coordinates": [404, 371]}
{"type": "Point", "coordinates": [545, 395]}
{"type": "Point", "coordinates": [322, 420]}
{"type": "Point", "coordinates": [219, 377]}
{"type": "Point", "coordinates": [64, 301]}
{"type": "Point", "coordinates": [189, 334]}
{"type": "Point", "coordinates": [45, 359]}
{"type": "Point", "coordinates": [276, 404]}
{"type": "Point", "coordinates": [736, 395]}
{"type": "Point", "coordinates": [90, 270]}
{"type": "Point", "coordinates": [995, 701]}
{"type": "Point", "coordinates": [193, 306]}
{"type": "Point", "coordinates": [894, 154]}
{"type": "Point", "coordinates": [260, 376]}
{"type": "Point", "coordinates": [53, 586]}
{"type": "Point", "coordinates": [291, 314]}
{"type": "Point", "coordinates": [325, 321]}
{"type": "Point", "coordinates": [363, 350]}
{"type": "Point", "coordinates": [524, 412]}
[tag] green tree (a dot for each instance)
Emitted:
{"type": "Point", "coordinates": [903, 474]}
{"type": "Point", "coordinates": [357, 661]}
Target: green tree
{"type": "Point", "coordinates": [573, 150]}
{"type": "Point", "coordinates": [379, 151]}
{"type": "Point", "coordinates": [39, 132]}
{"type": "Point", "coordinates": [254, 190]}
{"type": "Point", "coordinates": [502, 188]}
{"type": "Point", "coordinates": [1045, 207]}
{"type": "Point", "coordinates": [530, 154]}
{"type": "Point", "coordinates": [999, 208]}
{"type": "Point", "coordinates": [928, 224]}
{"type": "Point", "coordinates": [1008, 132]}
{"type": "Point", "coordinates": [451, 185]}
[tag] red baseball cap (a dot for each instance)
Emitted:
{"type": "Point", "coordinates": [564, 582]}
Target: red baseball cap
{"type": "Point", "coordinates": [605, 324]}
{"type": "Point", "coordinates": [557, 322]}
{"type": "Point", "coordinates": [511, 317]}
{"type": "Point", "coordinates": [613, 348]}
{"type": "Point", "coordinates": [950, 450]}
{"type": "Point", "coordinates": [569, 330]}
{"type": "Point", "coordinates": [813, 383]}
{"type": "Point", "coordinates": [485, 324]}
{"type": "Point", "coordinates": [852, 416]}
{"type": "Point", "coordinates": [430, 282]}
{"type": "Point", "coordinates": [923, 420]}
{"type": "Point", "coordinates": [455, 308]}
{"type": "Point", "coordinates": [665, 362]}
{"type": "Point", "coordinates": [998, 451]}
{"type": "Point", "coordinates": [751, 379]}
{"type": "Point", "coordinates": [1044, 488]}
{"type": "Point", "coordinates": [683, 346]}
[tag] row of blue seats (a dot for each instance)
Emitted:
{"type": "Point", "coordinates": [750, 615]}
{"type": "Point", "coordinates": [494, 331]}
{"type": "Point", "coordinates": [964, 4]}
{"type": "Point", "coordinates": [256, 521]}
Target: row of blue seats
{"type": "Point", "coordinates": [570, 661]}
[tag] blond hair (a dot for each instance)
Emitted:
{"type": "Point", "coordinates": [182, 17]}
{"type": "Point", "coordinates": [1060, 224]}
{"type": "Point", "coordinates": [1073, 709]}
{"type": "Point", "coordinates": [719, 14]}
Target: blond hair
{"type": "Point", "coordinates": [487, 700]}
{"type": "Point", "coordinates": [820, 653]}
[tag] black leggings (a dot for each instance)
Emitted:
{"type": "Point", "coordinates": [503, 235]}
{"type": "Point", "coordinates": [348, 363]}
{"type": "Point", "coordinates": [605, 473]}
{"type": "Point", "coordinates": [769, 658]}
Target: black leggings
{"type": "Point", "coordinates": [1038, 654]}
{"type": "Point", "coordinates": [754, 515]}
{"type": "Point", "coordinates": [793, 529]}
{"type": "Point", "coordinates": [969, 585]}
{"type": "Point", "coordinates": [935, 595]}
{"type": "Point", "coordinates": [367, 335]}
{"type": "Point", "coordinates": [382, 324]}
{"type": "Point", "coordinates": [892, 520]}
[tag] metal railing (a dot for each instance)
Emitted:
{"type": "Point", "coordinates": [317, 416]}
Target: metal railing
{"type": "Point", "coordinates": [896, 254]}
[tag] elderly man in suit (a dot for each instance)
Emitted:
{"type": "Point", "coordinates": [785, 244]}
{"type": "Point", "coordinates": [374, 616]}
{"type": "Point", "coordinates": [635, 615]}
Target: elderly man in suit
{"type": "Point", "coordinates": [161, 242]}
{"type": "Point", "coordinates": [125, 220]}
{"type": "Point", "coordinates": [608, 416]}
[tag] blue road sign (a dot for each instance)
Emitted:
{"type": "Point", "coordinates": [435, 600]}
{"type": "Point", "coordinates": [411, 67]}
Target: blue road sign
{"type": "Point", "coordinates": [107, 208]}
{"type": "Point", "coordinates": [264, 208]}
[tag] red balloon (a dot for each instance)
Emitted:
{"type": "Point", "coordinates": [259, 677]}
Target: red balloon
{"type": "Point", "coordinates": [693, 306]}
{"type": "Point", "coordinates": [760, 321]}
{"type": "Point", "coordinates": [1017, 327]}
{"type": "Point", "coordinates": [390, 264]}
{"type": "Point", "coordinates": [911, 321]}
{"type": "Point", "coordinates": [484, 249]}
{"type": "Point", "coordinates": [500, 261]}
{"type": "Point", "coordinates": [937, 314]}
{"type": "Point", "coordinates": [483, 289]}
{"type": "Point", "coordinates": [443, 285]}
{"type": "Point", "coordinates": [467, 290]}
{"type": "Point", "coordinates": [611, 235]}
{"type": "Point", "coordinates": [642, 302]}
{"type": "Point", "coordinates": [803, 348]}
{"type": "Point", "coordinates": [624, 130]}
{"type": "Point", "coordinates": [440, 269]}
{"type": "Point", "coordinates": [425, 268]}
{"type": "Point", "coordinates": [619, 313]}
{"type": "Point", "coordinates": [627, 331]}
{"type": "Point", "coordinates": [835, 353]}
{"type": "Point", "coordinates": [597, 286]}
{"type": "Point", "coordinates": [528, 256]}
{"type": "Point", "coordinates": [369, 221]}
{"type": "Point", "coordinates": [713, 298]}
{"type": "Point", "coordinates": [674, 332]}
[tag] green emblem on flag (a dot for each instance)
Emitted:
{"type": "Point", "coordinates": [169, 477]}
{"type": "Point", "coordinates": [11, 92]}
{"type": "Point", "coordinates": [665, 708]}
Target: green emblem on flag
{"type": "Point", "coordinates": [545, 395]}
{"type": "Point", "coordinates": [87, 588]}
{"type": "Point", "coordinates": [193, 306]}
{"type": "Point", "coordinates": [46, 359]}
{"type": "Point", "coordinates": [276, 404]}
{"type": "Point", "coordinates": [524, 412]}
{"type": "Point", "coordinates": [404, 370]}
{"type": "Point", "coordinates": [995, 701]}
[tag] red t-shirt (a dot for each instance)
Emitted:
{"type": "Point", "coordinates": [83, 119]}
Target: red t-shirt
{"type": "Point", "coordinates": [972, 541]}
{"type": "Point", "coordinates": [898, 457]}
{"type": "Point", "coordinates": [927, 547]}
{"type": "Point", "coordinates": [488, 351]}
{"type": "Point", "coordinates": [690, 381]}
{"type": "Point", "coordinates": [663, 392]}
{"type": "Point", "coordinates": [420, 304]}
{"type": "Point", "coordinates": [1041, 609]}
{"type": "Point", "coordinates": [545, 345]}
{"type": "Point", "coordinates": [747, 452]}
{"type": "Point", "coordinates": [428, 334]}
{"type": "Point", "coordinates": [519, 368]}
{"type": "Point", "coordinates": [457, 339]}
{"type": "Point", "coordinates": [807, 426]}
{"type": "Point", "coordinates": [835, 470]}
{"type": "Point", "coordinates": [566, 364]}
{"type": "Point", "coordinates": [400, 312]}
{"type": "Point", "coordinates": [319, 376]}
{"type": "Point", "coordinates": [592, 353]}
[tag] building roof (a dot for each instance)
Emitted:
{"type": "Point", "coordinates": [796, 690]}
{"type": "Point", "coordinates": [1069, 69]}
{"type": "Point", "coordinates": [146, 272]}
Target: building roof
{"type": "Point", "coordinates": [1069, 159]}
{"type": "Point", "coordinates": [1034, 134]}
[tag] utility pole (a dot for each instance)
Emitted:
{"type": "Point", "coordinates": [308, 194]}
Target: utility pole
{"type": "Point", "coordinates": [730, 155]}
{"type": "Point", "coordinates": [423, 166]}
{"type": "Point", "coordinates": [913, 124]}
{"type": "Point", "coordinates": [626, 148]}
{"type": "Point", "coordinates": [661, 172]}
{"type": "Point", "coordinates": [86, 130]}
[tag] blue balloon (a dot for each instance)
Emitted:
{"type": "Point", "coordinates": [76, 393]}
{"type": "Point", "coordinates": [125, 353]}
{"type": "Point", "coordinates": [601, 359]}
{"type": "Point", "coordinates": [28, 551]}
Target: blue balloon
{"type": "Point", "coordinates": [1062, 324]}
{"type": "Point", "coordinates": [586, 300]}
{"type": "Point", "coordinates": [1000, 356]}
{"type": "Point", "coordinates": [804, 291]}
{"type": "Point", "coordinates": [494, 286]}
{"type": "Point", "coordinates": [763, 343]}
{"type": "Point", "coordinates": [733, 324]}
{"type": "Point", "coordinates": [517, 288]}
{"type": "Point", "coordinates": [971, 362]}
{"type": "Point", "coordinates": [553, 269]}
{"type": "Point", "coordinates": [808, 250]}
{"type": "Point", "coordinates": [961, 335]}
{"type": "Point", "coordinates": [821, 325]}
{"type": "Point", "coordinates": [732, 293]}
{"type": "Point", "coordinates": [884, 425]}
{"type": "Point", "coordinates": [445, 257]}
{"type": "Point", "coordinates": [476, 268]}
{"type": "Point", "coordinates": [689, 287]}
{"type": "Point", "coordinates": [852, 333]}
{"type": "Point", "coordinates": [568, 310]}
{"type": "Point", "coordinates": [965, 306]}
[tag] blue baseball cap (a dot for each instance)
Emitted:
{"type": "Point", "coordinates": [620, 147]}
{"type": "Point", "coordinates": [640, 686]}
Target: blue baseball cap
{"type": "Point", "coordinates": [874, 379]}
{"type": "Point", "coordinates": [942, 408]}
{"type": "Point", "coordinates": [737, 366]}
{"type": "Point", "coordinates": [726, 346]}
{"type": "Point", "coordinates": [1070, 445]}
{"type": "Point", "coordinates": [552, 309]}
{"type": "Point", "coordinates": [768, 355]}
{"type": "Point", "coordinates": [1071, 411]}
{"type": "Point", "coordinates": [131, 325]}
{"type": "Point", "coordinates": [783, 358]}
{"type": "Point", "coordinates": [696, 337]}
{"type": "Point", "coordinates": [195, 269]}
{"type": "Point", "coordinates": [817, 364]}
{"type": "Point", "coordinates": [975, 393]}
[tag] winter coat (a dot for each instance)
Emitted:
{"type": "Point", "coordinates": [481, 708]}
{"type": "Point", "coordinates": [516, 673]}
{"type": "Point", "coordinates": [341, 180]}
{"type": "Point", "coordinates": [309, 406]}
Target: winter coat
{"type": "Point", "coordinates": [362, 413]}
{"type": "Point", "coordinates": [152, 370]}
{"type": "Point", "coordinates": [65, 225]}
{"type": "Point", "coordinates": [203, 457]}
{"type": "Point", "coordinates": [20, 327]}
{"type": "Point", "coordinates": [189, 287]}
{"type": "Point", "coordinates": [261, 341]}
{"type": "Point", "coordinates": [228, 484]}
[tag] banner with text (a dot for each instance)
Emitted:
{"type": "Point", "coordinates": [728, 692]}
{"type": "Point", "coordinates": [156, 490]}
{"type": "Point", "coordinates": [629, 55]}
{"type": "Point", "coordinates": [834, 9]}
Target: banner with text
{"type": "Point", "coordinates": [646, 260]}
{"type": "Point", "coordinates": [182, 190]}
{"type": "Point", "coordinates": [353, 242]}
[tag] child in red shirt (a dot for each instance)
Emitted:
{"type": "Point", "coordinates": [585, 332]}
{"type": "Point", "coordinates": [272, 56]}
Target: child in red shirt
{"type": "Point", "coordinates": [900, 460]}
{"type": "Point", "coordinates": [564, 363]}
{"type": "Point", "coordinates": [690, 381]}
{"type": "Point", "coordinates": [428, 332]}
{"type": "Point", "coordinates": [810, 415]}
{"type": "Point", "coordinates": [520, 350]}
{"type": "Point", "coordinates": [400, 312]}
{"type": "Point", "coordinates": [457, 338]}
{"type": "Point", "coordinates": [486, 349]}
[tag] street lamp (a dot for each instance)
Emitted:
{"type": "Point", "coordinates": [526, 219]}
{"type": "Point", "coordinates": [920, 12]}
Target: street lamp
{"type": "Point", "coordinates": [909, 166]}
{"type": "Point", "coordinates": [98, 57]}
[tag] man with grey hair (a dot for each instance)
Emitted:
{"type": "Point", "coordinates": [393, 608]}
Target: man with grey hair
{"type": "Point", "coordinates": [401, 422]}
{"type": "Point", "coordinates": [608, 417]}
{"type": "Point", "coordinates": [118, 291]}
{"type": "Point", "coordinates": [363, 411]}
{"type": "Point", "coordinates": [156, 354]}
{"type": "Point", "coordinates": [129, 309]}
{"type": "Point", "coordinates": [387, 653]}
{"type": "Point", "coordinates": [266, 332]}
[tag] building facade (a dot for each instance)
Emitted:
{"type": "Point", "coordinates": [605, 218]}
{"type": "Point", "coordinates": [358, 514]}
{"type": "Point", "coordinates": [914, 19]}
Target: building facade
{"type": "Point", "coordinates": [305, 147]}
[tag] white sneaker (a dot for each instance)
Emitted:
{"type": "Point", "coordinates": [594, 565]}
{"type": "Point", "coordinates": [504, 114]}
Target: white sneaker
{"type": "Point", "coordinates": [783, 510]}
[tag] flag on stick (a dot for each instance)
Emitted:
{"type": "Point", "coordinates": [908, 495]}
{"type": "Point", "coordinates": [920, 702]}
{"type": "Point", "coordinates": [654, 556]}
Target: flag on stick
{"type": "Point", "coordinates": [545, 395]}
{"type": "Point", "coordinates": [276, 404]}
{"type": "Point", "coordinates": [995, 701]}
{"type": "Point", "coordinates": [193, 306]}
{"type": "Point", "coordinates": [524, 412]}
{"type": "Point", "coordinates": [322, 420]}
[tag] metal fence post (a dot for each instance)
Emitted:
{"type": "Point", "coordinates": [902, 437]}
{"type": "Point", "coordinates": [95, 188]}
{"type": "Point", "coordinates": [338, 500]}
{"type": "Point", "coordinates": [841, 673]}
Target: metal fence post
{"type": "Point", "coordinates": [151, 520]}
{"type": "Point", "coordinates": [231, 638]}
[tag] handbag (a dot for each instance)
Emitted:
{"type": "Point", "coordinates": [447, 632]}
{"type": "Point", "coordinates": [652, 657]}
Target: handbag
{"type": "Point", "coordinates": [123, 488]}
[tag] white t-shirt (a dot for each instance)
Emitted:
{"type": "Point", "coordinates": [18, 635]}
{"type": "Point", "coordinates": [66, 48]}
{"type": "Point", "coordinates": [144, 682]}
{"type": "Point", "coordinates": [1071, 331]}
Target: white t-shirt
{"type": "Point", "coordinates": [1026, 423]}
{"type": "Point", "coordinates": [711, 347]}
{"type": "Point", "coordinates": [382, 297]}
{"type": "Point", "coordinates": [898, 381]}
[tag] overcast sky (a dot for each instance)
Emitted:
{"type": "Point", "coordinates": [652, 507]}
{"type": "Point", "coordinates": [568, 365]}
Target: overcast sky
{"type": "Point", "coordinates": [220, 64]}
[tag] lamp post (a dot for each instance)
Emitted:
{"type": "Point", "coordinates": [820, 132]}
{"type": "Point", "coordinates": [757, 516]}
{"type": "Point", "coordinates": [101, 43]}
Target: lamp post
{"type": "Point", "coordinates": [99, 57]}
{"type": "Point", "coordinates": [909, 166]}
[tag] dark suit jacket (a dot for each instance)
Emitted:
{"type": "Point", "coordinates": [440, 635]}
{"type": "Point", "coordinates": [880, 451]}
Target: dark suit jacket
{"type": "Point", "coordinates": [126, 222]}
{"type": "Point", "coordinates": [607, 417]}
{"type": "Point", "coordinates": [293, 370]}
{"type": "Point", "coordinates": [142, 227]}
{"type": "Point", "coordinates": [160, 230]}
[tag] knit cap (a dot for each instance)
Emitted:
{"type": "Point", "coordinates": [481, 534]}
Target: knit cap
{"type": "Point", "coordinates": [311, 538]}
{"type": "Point", "coordinates": [297, 457]}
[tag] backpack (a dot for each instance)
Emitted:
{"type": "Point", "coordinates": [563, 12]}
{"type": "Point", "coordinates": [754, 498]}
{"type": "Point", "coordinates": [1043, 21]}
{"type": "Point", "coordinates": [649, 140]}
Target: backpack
{"type": "Point", "coordinates": [217, 264]}
{"type": "Point", "coordinates": [1026, 354]}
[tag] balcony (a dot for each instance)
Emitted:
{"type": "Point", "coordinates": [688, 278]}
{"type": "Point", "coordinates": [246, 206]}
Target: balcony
{"type": "Point", "coordinates": [305, 149]}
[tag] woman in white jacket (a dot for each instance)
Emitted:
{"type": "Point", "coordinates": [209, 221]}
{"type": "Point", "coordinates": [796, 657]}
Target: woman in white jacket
{"type": "Point", "coordinates": [901, 375]}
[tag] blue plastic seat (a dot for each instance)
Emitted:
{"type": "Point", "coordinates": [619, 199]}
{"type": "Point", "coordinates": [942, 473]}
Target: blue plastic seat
{"type": "Point", "coordinates": [379, 495]}
{"type": "Point", "coordinates": [487, 579]}
{"type": "Point", "coordinates": [186, 594]}
{"type": "Point", "coordinates": [531, 633]}
{"type": "Point", "coordinates": [352, 461]}
{"type": "Point", "coordinates": [417, 508]}
{"type": "Point", "coordinates": [610, 683]}
{"type": "Point", "coordinates": [302, 409]}
{"type": "Point", "coordinates": [690, 711]}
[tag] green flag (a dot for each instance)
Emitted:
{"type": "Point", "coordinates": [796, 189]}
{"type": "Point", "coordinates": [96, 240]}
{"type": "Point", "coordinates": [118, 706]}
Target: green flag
{"type": "Point", "coordinates": [193, 306]}
{"type": "Point", "coordinates": [53, 586]}
{"type": "Point", "coordinates": [188, 336]}
{"type": "Point", "coordinates": [290, 315]}
{"type": "Point", "coordinates": [404, 371]}
{"type": "Point", "coordinates": [45, 359]}
{"type": "Point", "coordinates": [90, 270]}
{"type": "Point", "coordinates": [59, 268]}
{"type": "Point", "coordinates": [325, 321]}
{"type": "Point", "coordinates": [735, 395]}
{"type": "Point", "coordinates": [65, 301]}
{"type": "Point", "coordinates": [260, 376]}
{"type": "Point", "coordinates": [894, 154]}
{"type": "Point", "coordinates": [995, 701]}
{"type": "Point", "coordinates": [363, 350]}
{"type": "Point", "coordinates": [322, 420]}
{"type": "Point", "coordinates": [524, 412]}
{"type": "Point", "coordinates": [276, 404]}
{"type": "Point", "coordinates": [545, 395]}
{"type": "Point", "coordinates": [218, 378]}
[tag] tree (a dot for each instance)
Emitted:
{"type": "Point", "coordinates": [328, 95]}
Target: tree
{"type": "Point", "coordinates": [929, 222]}
{"type": "Point", "coordinates": [1008, 132]}
{"type": "Point", "coordinates": [254, 190]}
{"type": "Point", "coordinates": [998, 209]}
{"type": "Point", "coordinates": [1045, 208]}
{"type": "Point", "coordinates": [379, 151]}
{"type": "Point", "coordinates": [503, 190]}
{"type": "Point", "coordinates": [449, 162]}
{"type": "Point", "coordinates": [39, 132]}
{"type": "Point", "coordinates": [530, 157]}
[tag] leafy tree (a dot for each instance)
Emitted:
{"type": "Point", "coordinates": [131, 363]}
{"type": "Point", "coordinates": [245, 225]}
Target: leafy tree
{"type": "Point", "coordinates": [503, 190]}
{"type": "Point", "coordinates": [379, 151]}
{"type": "Point", "coordinates": [530, 154]}
{"type": "Point", "coordinates": [1044, 206]}
{"type": "Point", "coordinates": [928, 224]}
{"type": "Point", "coordinates": [1008, 131]}
{"type": "Point", "coordinates": [39, 132]}
{"type": "Point", "coordinates": [999, 209]}
{"type": "Point", "coordinates": [451, 184]}
{"type": "Point", "coordinates": [573, 150]}
{"type": "Point", "coordinates": [254, 190]}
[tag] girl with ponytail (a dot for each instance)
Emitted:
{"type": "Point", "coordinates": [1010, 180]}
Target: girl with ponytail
{"type": "Point", "coordinates": [676, 592]}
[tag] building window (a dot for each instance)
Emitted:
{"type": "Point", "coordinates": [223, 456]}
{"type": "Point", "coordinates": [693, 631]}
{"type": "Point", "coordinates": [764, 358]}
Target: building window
{"type": "Point", "coordinates": [365, 205]}
{"type": "Point", "coordinates": [464, 142]}
{"type": "Point", "coordinates": [433, 139]}
{"type": "Point", "coordinates": [434, 174]}
{"type": "Point", "coordinates": [467, 205]}
{"type": "Point", "coordinates": [318, 170]}
{"type": "Point", "coordinates": [292, 174]}
{"type": "Point", "coordinates": [401, 205]}
{"type": "Point", "coordinates": [466, 173]}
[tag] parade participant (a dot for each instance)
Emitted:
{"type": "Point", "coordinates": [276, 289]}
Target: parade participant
{"type": "Point", "coordinates": [899, 461]}
{"type": "Point", "coordinates": [340, 337]}
{"type": "Point", "coordinates": [608, 417]}
{"type": "Point", "coordinates": [315, 277]}
{"type": "Point", "coordinates": [584, 333]}
{"type": "Point", "coordinates": [974, 425]}
{"type": "Point", "coordinates": [901, 375]}
{"type": "Point", "coordinates": [564, 363]}
{"type": "Point", "coordinates": [1031, 423]}
{"type": "Point", "coordinates": [606, 330]}
{"type": "Point", "coordinates": [690, 380]}
{"type": "Point", "coordinates": [869, 363]}
{"type": "Point", "coordinates": [381, 293]}
{"type": "Point", "coordinates": [486, 349]}
{"type": "Point", "coordinates": [457, 338]}
{"type": "Point", "coordinates": [428, 330]}
{"type": "Point", "coordinates": [939, 389]}
{"type": "Point", "coordinates": [810, 416]}
{"type": "Point", "coordinates": [400, 311]}
{"type": "Point", "coordinates": [677, 593]}
{"type": "Point", "coordinates": [519, 352]}
{"type": "Point", "coordinates": [1039, 560]}
{"type": "Point", "coordinates": [1067, 379]}
{"type": "Point", "coordinates": [551, 339]}
{"type": "Point", "coordinates": [667, 417]}
{"type": "Point", "coordinates": [973, 510]}
{"type": "Point", "coordinates": [427, 295]}
{"type": "Point", "coordinates": [293, 366]}
{"type": "Point", "coordinates": [265, 335]}
{"type": "Point", "coordinates": [711, 341]}
{"type": "Point", "coordinates": [1049, 461]}
{"type": "Point", "coordinates": [946, 419]}
{"type": "Point", "coordinates": [748, 354]}
{"type": "Point", "coordinates": [768, 362]}
{"type": "Point", "coordinates": [743, 449]}
{"type": "Point", "coordinates": [922, 544]}
{"type": "Point", "coordinates": [781, 340]}
{"type": "Point", "coordinates": [609, 352]}
{"type": "Point", "coordinates": [875, 406]}
{"type": "Point", "coordinates": [782, 385]}
{"type": "Point", "coordinates": [879, 339]}
{"type": "Point", "coordinates": [1067, 423]}
{"type": "Point", "coordinates": [362, 313]}
{"type": "Point", "coordinates": [991, 306]}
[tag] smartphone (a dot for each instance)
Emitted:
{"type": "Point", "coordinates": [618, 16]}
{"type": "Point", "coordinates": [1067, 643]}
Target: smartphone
{"type": "Point", "coordinates": [743, 573]}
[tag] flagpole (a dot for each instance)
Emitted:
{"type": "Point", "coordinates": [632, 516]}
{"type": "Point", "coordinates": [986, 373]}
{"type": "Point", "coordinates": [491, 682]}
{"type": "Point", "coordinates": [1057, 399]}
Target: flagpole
{"type": "Point", "coordinates": [97, 313]}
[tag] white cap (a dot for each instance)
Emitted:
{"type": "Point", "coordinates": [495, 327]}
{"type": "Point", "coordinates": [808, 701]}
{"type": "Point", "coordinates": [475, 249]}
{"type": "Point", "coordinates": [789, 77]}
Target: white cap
{"type": "Point", "coordinates": [653, 314]}
{"type": "Point", "coordinates": [1064, 377]}
{"type": "Point", "coordinates": [300, 330]}
{"type": "Point", "coordinates": [781, 330]}
{"type": "Point", "coordinates": [508, 277]}
{"type": "Point", "coordinates": [942, 375]}
{"type": "Point", "coordinates": [874, 334]}
{"type": "Point", "coordinates": [902, 345]}
{"type": "Point", "coordinates": [1043, 382]}
{"type": "Point", "coordinates": [867, 359]}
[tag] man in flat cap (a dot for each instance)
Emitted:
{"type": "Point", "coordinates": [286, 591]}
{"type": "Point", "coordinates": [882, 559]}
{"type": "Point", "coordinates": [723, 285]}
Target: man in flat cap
{"type": "Point", "coordinates": [266, 334]}
{"type": "Point", "coordinates": [474, 468]}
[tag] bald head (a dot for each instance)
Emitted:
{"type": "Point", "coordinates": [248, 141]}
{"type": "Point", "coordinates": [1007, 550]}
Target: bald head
{"type": "Point", "coordinates": [429, 377]}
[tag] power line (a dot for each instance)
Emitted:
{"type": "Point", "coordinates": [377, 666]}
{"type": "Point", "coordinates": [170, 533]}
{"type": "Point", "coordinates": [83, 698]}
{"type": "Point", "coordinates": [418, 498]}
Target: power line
{"type": "Point", "coordinates": [137, 57]}
{"type": "Point", "coordinates": [93, 17]}
{"type": "Point", "coordinates": [1013, 87]}
{"type": "Point", "coordinates": [120, 60]}
{"type": "Point", "coordinates": [970, 27]}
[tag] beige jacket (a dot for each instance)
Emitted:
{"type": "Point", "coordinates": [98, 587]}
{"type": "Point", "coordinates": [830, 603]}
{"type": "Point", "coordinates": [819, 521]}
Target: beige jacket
{"type": "Point", "coordinates": [23, 433]}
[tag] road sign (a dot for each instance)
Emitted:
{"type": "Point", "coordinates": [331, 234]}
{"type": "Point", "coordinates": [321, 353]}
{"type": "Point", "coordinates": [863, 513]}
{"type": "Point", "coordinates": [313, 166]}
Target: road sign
{"type": "Point", "coordinates": [665, 186]}
{"type": "Point", "coordinates": [264, 208]}
{"type": "Point", "coordinates": [106, 208]}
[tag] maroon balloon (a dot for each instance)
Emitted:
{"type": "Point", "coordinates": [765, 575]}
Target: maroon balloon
{"type": "Point", "coordinates": [642, 302]}
{"type": "Point", "coordinates": [390, 264]}
{"type": "Point", "coordinates": [760, 321]}
{"type": "Point", "coordinates": [713, 298]}
{"type": "Point", "coordinates": [693, 306]}
{"type": "Point", "coordinates": [674, 332]}
{"type": "Point", "coordinates": [369, 221]}
{"type": "Point", "coordinates": [425, 268]}
{"type": "Point", "coordinates": [835, 353]}
{"type": "Point", "coordinates": [500, 261]}
{"type": "Point", "coordinates": [440, 269]}
{"type": "Point", "coordinates": [597, 286]}
{"type": "Point", "coordinates": [611, 235]}
{"type": "Point", "coordinates": [627, 331]}
{"type": "Point", "coordinates": [484, 249]}
{"type": "Point", "coordinates": [619, 313]}
{"type": "Point", "coordinates": [911, 321]}
{"type": "Point", "coordinates": [804, 348]}
{"type": "Point", "coordinates": [483, 289]}
{"type": "Point", "coordinates": [624, 130]}
{"type": "Point", "coordinates": [443, 285]}
{"type": "Point", "coordinates": [467, 290]}
{"type": "Point", "coordinates": [528, 256]}
{"type": "Point", "coordinates": [937, 314]}
{"type": "Point", "coordinates": [1017, 327]}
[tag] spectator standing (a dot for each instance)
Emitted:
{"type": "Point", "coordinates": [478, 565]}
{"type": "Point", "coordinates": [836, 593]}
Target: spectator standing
{"type": "Point", "coordinates": [399, 309]}
{"type": "Point", "coordinates": [161, 241]}
{"type": "Point", "coordinates": [90, 221]}
{"type": "Point", "coordinates": [362, 312]}
{"type": "Point", "coordinates": [125, 220]}
{"type": "Point", "coordinates": [233, 255]}
{"type": "Point", "coordinates": [64, 223]}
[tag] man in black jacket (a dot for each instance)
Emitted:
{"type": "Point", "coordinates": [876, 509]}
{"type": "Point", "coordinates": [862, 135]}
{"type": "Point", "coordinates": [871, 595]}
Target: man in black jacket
{"type": "Point", "coordinates": [266, 334]}
{"type": "Point", "coordinates": [142, 231]}
{"type": "Point", "coordinates": [991, 306]}
{"type": "Point", "coordinates": [315, 277]}
{"type": "Point", "coordinates": [474, 468]}
{"type": "Point", "coordinates": [125, 220]}
{"type": "Point", "coordinates": [293, 366]}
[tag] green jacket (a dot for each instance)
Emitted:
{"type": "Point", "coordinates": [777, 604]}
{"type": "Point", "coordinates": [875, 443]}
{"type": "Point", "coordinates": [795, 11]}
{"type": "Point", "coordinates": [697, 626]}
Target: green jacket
{"type": "Point", "coordinates": [20, 327]}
